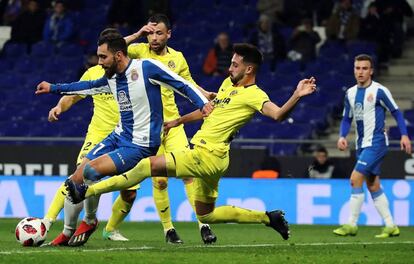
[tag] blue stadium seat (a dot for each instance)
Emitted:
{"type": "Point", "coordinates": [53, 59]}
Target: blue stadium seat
{"type": "Point", "coordinates": [394, 132]}
{"type": "Point", "coordinates": [42, 49]}
{"type": "Point", "coordinates": [409, 116]}
{"type": "Point", "coordinates": [13, 50]}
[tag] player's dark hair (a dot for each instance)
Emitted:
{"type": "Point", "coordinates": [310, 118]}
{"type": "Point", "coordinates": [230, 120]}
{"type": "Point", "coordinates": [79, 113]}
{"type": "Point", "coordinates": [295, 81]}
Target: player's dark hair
{"type": "Point", "coordinates": [160, 18]}
{"type": "Point", "coordinates": [249, 52]}
{"type": "Point", "coordinates": [365, 57]}
{"type": "Point", "coordinates": [321, 149]}
{"type": "Point", "coordinates": [114, 40]}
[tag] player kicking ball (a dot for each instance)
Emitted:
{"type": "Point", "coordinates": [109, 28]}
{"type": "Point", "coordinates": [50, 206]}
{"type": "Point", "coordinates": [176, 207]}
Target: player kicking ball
{"type": "Point", "coordinates": [237, 101]}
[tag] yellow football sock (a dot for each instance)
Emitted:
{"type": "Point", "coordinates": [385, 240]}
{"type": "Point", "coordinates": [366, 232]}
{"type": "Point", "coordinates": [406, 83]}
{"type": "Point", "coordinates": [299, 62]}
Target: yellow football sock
{"type": "Point", "coordinates": [162, 203]}
{"type": "Point", "coordinates": [116, 183]}
{"type": "Point", "coordinates": [120, 210]}
{"type": "Point", "coordinates": [190, 197]}
{"type": "Point", "coordinates": [233, 214]}
{"type": "Point", "coordinates": [57, 203]}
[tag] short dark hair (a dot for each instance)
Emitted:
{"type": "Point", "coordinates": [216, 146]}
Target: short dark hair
{"type": "Point", "coordinates": [321, 149]}
{"type": "Point", "coordinates": [249, 52]}
{"type": "Point", "coordinates": [160, 18]}
{"type": "Point", "coordinates": [365, 57]}
{"type": "Point", "coordinates": [114, 40]}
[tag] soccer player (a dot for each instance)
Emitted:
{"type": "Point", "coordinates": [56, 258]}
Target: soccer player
{"type": "Point", "coordinates": [136, 86]}
{"type": "Point", "coordinates": [366, 103]}
{"type": "Point", "coordinates": [237, 101]}
{"type": "Point", "coordinates": [158, 31]}
{"type": "Point", "coordinates": [104, 120]}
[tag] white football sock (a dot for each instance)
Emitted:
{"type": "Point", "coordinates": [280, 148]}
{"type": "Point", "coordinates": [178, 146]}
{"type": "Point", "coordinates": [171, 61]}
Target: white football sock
{"type": "Point", "coordinates": [382, 206]}
{"type": "Point", "coordinates": [91, 206]}
{"type": "Point", "coordinates": [71, 212]}
{"type": "Point", "coordinates": [355, 204]}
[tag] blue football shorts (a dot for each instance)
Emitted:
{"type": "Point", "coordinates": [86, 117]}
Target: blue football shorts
{"type": "Point", "coordinates": [369, 160]}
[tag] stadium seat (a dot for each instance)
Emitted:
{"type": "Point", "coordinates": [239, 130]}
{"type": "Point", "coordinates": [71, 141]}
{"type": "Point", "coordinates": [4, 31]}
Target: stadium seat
{"type": "Point", "coordinates": [409, 116]}
{"type": "Point", "coordinates": [13, 50]}
{"type": "Point", "coordinates": [42, 49]}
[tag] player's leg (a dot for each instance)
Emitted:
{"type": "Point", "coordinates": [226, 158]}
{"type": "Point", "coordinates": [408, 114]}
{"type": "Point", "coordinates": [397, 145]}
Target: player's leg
{"type": "Point", "coordinates": [59, 199]}
{"type": "Point", "coordinates": [207, 167]}
{"type": "Point", "coordinates": [355, 203]}
{"type": "Point", "coordinates": [71, 214]}
{"type": "Point", "coordinates": [378, 195]}
{"type": "Point", "coordinates": [175, 141]}
{"type": "Point", "coordinates": [120, 209]}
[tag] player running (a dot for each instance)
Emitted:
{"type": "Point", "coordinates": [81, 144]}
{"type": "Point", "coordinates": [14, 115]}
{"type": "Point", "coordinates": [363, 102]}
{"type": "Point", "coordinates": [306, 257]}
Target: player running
{"type": "Point", "coordinates": [236, 102]}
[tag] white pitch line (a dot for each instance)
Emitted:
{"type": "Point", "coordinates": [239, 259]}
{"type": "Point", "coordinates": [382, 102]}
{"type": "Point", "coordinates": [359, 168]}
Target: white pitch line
{"type": "Point", "coordinates": [143, 248]}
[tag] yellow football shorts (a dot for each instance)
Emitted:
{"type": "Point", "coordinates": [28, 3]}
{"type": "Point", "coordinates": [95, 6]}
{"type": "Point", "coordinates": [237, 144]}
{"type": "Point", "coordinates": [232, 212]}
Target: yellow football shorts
{"type": "Point", "coordinates": [205, 166]}
{"type": "Point", "coordinates": [91, 140]}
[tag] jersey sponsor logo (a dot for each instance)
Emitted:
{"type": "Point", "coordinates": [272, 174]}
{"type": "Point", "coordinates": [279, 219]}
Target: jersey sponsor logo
{"type": "Point", "coordinates": [171, 64]}
{"type": "Point", "coordinates": [134, 75]}
{"type": "Point", "coordinates": [124, 103]}
{"type": "Point", "coordinates": [359, 112]}
{"type": "Point", "coordinates": [221, 102]}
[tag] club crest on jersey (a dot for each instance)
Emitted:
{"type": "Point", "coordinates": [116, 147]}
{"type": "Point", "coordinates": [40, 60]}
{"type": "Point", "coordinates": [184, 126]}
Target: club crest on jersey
{"type": "Point", "coordinates": [124, 103]}
{"type": "Point", "coordinates": [134, 75]}
{"type": "Point", "coordinates": [171, 64]}
{"type": "Point", "coordinates": [370, 98]}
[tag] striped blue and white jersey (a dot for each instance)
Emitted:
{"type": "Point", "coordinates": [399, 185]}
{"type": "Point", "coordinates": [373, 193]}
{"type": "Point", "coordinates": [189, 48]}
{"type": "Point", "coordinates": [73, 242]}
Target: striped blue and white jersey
{"type": "Point", "coordinates": [137, 92]}
{"type": "Point", "coordinates": [367, 107]}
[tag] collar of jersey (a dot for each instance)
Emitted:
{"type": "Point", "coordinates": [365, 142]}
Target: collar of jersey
{"type": "Point", "coordinates": [123, 73]}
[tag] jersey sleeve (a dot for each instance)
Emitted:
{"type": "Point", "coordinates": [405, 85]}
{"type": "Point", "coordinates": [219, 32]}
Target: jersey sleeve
{"type": "Point", "coordinates": [159, 74]}
{"type": "Point", "coordinates": [135, 50]}
{"type": "Point", "coordinates": [256, 99]}
{"type": "Point", "coordinates": [386, 100]}
{"type": "Point", "coordinates": [82, 87]}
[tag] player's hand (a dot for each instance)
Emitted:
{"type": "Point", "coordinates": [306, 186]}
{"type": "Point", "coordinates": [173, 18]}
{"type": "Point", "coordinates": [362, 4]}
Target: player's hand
{"type": "Point", "coordinates": [306, 87]}
{"type": "Point", "coordinates": [405, 144]}
{"type": "Point", "coordinates": [342, 144]}
{"type": "Point", "coordinates": [146, 29]}
{"type": "Point", "coordinates": [170, 124]}
{"type": "Point", "coordinates": [207, 109]}
{"type": "Point", "coordinates": [54, 114]}
{"type": "Point", "coordinates": [42, 88]}
{"type": "Point", "coordinates": [211, 95]}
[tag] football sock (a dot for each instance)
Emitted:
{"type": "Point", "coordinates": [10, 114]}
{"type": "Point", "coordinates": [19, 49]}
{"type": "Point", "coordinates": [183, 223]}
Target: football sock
{"type": "Point", "coordinates": [382, 206]}
{"type": "Point", "coordinates": [120, 210]}
{"type": "Point", "coordinates": [57, 203]}
{"type": "Point", "coordinates": [233, 214]}
{"type": "Point", "coordinates": [91, 206]}
{"type": "Point", "coordinates": [355, 204]}
{"type": "Point", "coordinates": [162, 203]}
{"type": "Point", "coordinates": [189, 192]}
{"type": "Point", "coordinates": [72, 212]}
{"type": "Point", "coordinates": [122, 182]}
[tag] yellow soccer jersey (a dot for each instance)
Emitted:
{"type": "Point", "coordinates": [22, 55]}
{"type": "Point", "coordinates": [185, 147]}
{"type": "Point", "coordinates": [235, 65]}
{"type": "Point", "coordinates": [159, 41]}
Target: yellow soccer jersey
{"type": "Point", "coordinates": [105, 109]}
{"type": "Point", "coordinates": [233, 107]}
{"type": "Point", "coordinates": [175, 62]}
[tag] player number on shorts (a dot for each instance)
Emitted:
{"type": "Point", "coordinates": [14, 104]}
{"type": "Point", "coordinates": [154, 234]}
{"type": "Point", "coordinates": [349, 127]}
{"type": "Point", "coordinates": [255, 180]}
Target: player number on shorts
{"type": "Point", "coordinates": [101, 146]}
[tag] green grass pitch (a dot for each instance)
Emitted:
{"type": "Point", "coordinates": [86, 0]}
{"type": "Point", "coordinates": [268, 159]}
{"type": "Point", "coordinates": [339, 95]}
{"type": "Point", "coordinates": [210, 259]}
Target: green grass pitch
{"type": "Point", "coordinates": [236, 244]}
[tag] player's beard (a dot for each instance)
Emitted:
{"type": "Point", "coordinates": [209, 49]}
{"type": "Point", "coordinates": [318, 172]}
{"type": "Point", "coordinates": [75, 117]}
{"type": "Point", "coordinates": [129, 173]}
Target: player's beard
{"type": "Point", "coordinates": [236, 79]}
{"type": "Point", "coordinates": [158, 49]}
{"type": "Point", "coordinates": [111, 70]}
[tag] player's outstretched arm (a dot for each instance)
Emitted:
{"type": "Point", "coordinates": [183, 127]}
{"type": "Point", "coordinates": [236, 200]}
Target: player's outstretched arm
{"type": "Point", "coordinates": [64, 104]}
{"type": "Point", "coordinates": [190, 117]}
{"type": "Point", "coordinates": [304, 88]}
{"type": "Point", "coordinates": [144, 31]}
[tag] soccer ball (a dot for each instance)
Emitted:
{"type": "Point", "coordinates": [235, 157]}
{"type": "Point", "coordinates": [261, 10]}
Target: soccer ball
{"type": "Point", "coordinates": [31, 232]}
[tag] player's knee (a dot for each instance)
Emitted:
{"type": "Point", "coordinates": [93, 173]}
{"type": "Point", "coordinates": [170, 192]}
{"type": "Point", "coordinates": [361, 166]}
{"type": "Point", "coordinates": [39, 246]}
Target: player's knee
{"type": "Point", "coordinates": [90, 173]}
{"type": "Point", "coordinates": [128, 195]}
{"type": "Point", "coordinates": [160, 183]}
